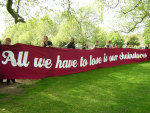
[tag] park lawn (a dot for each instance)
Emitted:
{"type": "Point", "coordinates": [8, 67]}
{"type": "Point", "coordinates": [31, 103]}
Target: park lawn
{"type": "Point", "coordinates": [120, 89]}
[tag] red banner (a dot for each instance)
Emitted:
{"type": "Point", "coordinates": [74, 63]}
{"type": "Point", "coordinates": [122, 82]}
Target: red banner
{"type": "Point", "coordinates": [31, 62]}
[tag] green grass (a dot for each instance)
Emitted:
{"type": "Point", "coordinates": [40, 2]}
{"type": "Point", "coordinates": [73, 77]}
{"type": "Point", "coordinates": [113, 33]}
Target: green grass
{"type": "Point", "coordinates": [3, 95]}
{"type": "Point", "coordinates": [121, 89]}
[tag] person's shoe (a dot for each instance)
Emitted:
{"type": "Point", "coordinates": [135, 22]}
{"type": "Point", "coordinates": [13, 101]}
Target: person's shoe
{"type": "Point", "coordinates": [1, 81]}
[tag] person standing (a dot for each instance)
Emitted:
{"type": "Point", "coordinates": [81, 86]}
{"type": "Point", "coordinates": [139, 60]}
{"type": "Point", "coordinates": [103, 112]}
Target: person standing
{"type": "Point", "coordinates": [1, 80]}
{"type": "Point", "coordinates": [46, 43]}
{"type": "Point", "coordinates": [8, 42]}
{"type": "Point", "coordinates": [146, 47]}
{"type": "Point", "coordinates": [128, 45]}
{"type": "Point", "coordinates": [109, 45]}
{"type": "Point", "coordinates": [116, 46]}
{"type": "Point", "coordinates": [96, 45]}
{"type": "Point", "coordinates": [84, 47]}
{"type": "Point", "coordinates": [71, 44]}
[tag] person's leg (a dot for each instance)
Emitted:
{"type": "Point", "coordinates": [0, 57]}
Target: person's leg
{"type": "Point", "coordinates": [8, 81]}
{"type": "Point", "coordinates": [1, 80]}
{"type": "Point", "coordinates": [13, 80]}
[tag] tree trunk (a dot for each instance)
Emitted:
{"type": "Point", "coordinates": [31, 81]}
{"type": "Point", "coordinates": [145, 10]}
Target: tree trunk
{"type": "Point", "coordinates": [13, 13]}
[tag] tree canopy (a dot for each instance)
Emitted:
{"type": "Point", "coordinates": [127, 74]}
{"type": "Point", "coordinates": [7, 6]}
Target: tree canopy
{"type": "Point", "coordinates": [132, 13]}
{"type": "Point", "coordinates": [35, 18]}
{"type": "Point", "coordinates": [133, 40]}
{"type": "Point", "coordinates": [147, 36]}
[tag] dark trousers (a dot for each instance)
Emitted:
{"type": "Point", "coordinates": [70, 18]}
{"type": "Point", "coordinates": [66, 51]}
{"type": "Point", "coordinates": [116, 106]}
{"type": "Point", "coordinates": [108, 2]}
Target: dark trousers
{"type": "Point", "coordinates": [8, 80]}
{"type": "Point", "coordinates": [1, 80]}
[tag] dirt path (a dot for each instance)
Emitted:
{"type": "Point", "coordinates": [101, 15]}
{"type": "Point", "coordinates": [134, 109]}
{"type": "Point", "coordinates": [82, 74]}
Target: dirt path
{"type": "Point", "coordinates": [13, 88]}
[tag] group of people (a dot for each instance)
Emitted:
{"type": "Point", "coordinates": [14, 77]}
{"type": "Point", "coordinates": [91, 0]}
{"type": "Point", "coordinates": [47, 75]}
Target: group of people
{"type": "Point", "coordinates": [47, 43]}
{"type": "Point", "coordinates": [108, 45]}
{"type": "Point", "coordinates": [71, 44]}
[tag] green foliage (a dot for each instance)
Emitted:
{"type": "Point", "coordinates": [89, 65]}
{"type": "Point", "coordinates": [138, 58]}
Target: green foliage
{"type": "Point", "coordinates": [132, 14]}
{"type": "Point", "coordinates": [82, 25]}
{"type": "Point", "coordinates": [65, 31]}
{"type": "Point", "coordinates": [116, 38]}
{"type": "Point", "coordinates": [59, 28]}
{"type": "Point", "coordinates": [134, 40]}
{"type": "Point", "coordinates": [99, 35]}
{"type": "Point", "coordinates": [32, 31]}
{"type": "Point", "coordinates": [20, 10]}
{"type": "Point", "coordinates": [147, 36]}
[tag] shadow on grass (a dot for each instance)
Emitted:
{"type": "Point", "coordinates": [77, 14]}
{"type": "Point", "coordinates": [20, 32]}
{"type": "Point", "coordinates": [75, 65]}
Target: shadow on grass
{"type": "Point", "coordinates": [121, 89]}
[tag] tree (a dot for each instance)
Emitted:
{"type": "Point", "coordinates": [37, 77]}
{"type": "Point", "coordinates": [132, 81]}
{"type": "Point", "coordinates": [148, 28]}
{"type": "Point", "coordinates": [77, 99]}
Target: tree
{"type": "Point", "coordinates": [82, 24]}
{"type": "Point", "coordinates": [66, 30]}
{"type": "Point", "coordinates": [32, 31]}
{"type": "Point", "coordinates": [133, 40]}
{"type": "Point", "coordinates": [116, 38]}
{"type": "Point", "coordinates": [147, 36]}
{"type": "Point", "coordinates": [99, 35]}
{"type": "Point", "coordinates": [77, 24]}
{"type": "Point", "coordinates": [21, 10]}
{"type": "Point", "coordinates": [132, 13]}
{"type": "Point", "coordinates": [14, 14]}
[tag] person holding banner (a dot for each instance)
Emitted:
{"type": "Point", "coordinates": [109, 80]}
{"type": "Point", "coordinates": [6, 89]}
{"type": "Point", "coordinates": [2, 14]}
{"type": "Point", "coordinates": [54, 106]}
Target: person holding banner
{"type": "Point", "coordinates": [46, 43]}
{"type": "Point", "coordinates": [84, 47]}
{"type": "Point", "coordinates": [109, 45]}
{"type": "Point", "coordinates": [71, 44]}
{"type": "Point", "coordinates": [1, 80]}
{"type": "Point", "coordinates": [116, 46]}
{"type": "Point", "coordinates": [128, 45]}
{"type": "Point", "coordinates": [8, 42]}
{"type": "Point", "coordinates": [96, 45]}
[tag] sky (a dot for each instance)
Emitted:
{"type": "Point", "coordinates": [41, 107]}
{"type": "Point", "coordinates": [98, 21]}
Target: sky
{"type": "Point", "coordinates": [108, 15]}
